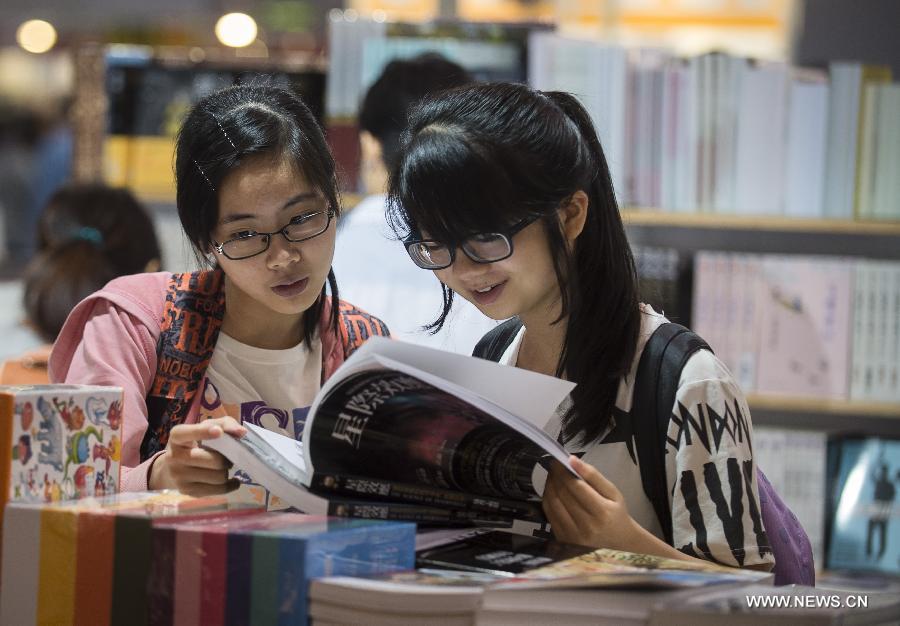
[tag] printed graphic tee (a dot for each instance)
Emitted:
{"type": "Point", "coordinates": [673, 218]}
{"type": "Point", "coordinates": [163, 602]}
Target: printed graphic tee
{"type": "Point", "coordinates": [709, 460]}
{"type": "Point", "coordinates": [270, 388]}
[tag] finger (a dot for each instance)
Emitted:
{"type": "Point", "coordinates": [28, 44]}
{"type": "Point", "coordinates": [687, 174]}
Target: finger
{"type": "Point", "coordinates": [202, 489]}
{"type": "Point", "coordinates": [206, 458]}
{"type": "Point", "coordinates": [564, 527]}
{"type": "Point", "coordinates": [229, 425]}
{"type": "Point", "coordinates": [187, 435]}
{"type": "Point", "coordinates": [186, 475]}
{"type": "Point", "coordinates": [595, 479]}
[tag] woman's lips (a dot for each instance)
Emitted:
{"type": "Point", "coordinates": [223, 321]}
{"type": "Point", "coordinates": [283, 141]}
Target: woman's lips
{"type": "Point", "coordinates": [292, 289]}
{"type": "Point", "coordinates": [489, 297]}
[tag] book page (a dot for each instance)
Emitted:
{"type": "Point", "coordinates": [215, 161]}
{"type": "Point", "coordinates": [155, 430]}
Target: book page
{"type": "Point", "coordinates": [389, 424]}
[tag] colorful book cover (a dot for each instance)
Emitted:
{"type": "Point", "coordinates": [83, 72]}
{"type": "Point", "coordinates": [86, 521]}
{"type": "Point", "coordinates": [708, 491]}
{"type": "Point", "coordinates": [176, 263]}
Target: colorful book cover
{"type": "Point", "coordinates": [58, 442]}
{"type": "Point", "coordinates": [804, 342]}
{"type": "Point", "coordinates": [864, 514]}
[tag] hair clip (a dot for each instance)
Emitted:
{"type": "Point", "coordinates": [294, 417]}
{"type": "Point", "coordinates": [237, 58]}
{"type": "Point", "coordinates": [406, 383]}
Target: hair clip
{"type": "Point", "coordinates": [89, 233]}
{"type": "Point", "coordinates": [203, 174]}
{"type": "Point", "coordinates": [222, 128]}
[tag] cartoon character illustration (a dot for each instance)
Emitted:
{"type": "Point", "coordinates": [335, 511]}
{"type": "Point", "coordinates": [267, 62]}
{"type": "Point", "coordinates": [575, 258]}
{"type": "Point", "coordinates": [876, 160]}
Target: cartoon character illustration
{"type": "Point", "coordinates": [114, 416]}
{"type": "Point", "coordinates": [80, 480]}
{"type": "Point", "coordinates": [78, 447]}
{"type": "Point", "coordinates": [28, 480]}
{"type": "Point", "coordinates": [27, 414]}
{"type": "Point", "coordinates": [110, 452]}
{"type": "Point", "coordinates": [100, 483]}
{"type": "Point", "coordinates": [52, 490]}
{"type": "Point", "coordinates": [101, 413]}
{"type": "Point", "coordinates": [22, 450]}
{"type": "Point", "coordinates": [50, 436]}
{"type": "Point", "coordinates": [71, 414]}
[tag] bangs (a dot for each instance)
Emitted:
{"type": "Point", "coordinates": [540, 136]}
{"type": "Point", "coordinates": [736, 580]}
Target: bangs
{"type": "Point", "coordinates": [451, 188]}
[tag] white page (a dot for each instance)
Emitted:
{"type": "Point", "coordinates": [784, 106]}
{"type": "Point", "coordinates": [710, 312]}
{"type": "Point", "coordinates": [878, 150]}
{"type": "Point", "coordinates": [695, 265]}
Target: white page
{"type": "Point", "coordinates": [531, 396]}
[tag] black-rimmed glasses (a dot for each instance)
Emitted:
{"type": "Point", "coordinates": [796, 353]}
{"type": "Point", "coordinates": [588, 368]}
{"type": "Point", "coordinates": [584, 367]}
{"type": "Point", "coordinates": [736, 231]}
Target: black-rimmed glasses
{"type": "Point", "coordinates": [481, 248]}
{"type": "Point", "coordinates": [250, 243]}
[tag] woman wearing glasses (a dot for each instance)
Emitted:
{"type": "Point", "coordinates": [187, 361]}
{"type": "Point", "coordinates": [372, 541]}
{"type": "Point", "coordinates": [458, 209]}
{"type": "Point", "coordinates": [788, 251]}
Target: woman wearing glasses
{"type": "Point", "coordinates": [504, 192]}
{"type": "Point", "coordinates": [252, 338]}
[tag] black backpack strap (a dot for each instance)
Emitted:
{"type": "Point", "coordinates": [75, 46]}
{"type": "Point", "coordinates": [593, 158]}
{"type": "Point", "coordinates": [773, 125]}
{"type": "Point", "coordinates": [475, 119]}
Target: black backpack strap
{"type": "Point", "coordinates": [655, 387]}
{"type": "Point", "coordinates": [497, 340]}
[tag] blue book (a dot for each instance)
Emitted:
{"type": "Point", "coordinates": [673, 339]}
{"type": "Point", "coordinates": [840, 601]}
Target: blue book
{"type": "Point", "coordinates": [864, 520]}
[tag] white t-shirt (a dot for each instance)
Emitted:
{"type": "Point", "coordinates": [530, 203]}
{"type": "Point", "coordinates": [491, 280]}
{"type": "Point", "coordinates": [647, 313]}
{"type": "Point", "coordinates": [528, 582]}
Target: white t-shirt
{"type": "Point", "coordinates": [375, 273]}
{"type": "Point", "coordinates": [271, 388]}
{"type": "Point", "coordinates": [707, 456]}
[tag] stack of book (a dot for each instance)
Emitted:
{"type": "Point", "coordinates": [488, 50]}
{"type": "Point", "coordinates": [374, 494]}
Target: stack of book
{"type": "Point", "coordinates": [596, 587]}
{"type": "Point", "coordinates": [164, 558]}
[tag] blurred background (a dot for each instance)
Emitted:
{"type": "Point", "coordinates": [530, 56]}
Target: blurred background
{"type": "Point", "coordinates": [754, 145]}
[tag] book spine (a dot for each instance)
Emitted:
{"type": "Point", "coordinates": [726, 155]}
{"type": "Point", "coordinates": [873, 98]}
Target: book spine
{"type": "Point", "coordinates": [21, 565]}
{"type": "Point", "coordinates": [238, 581]}
{"type": "Point", "coordinates": [186, 608]}
{"type": "Point", "coordinates": [56, 593]}
{"type": "Point", "coordinates": [293, 588]}
{"type": "Point", "coordinates": [385, 490]}
{"type": "Point", "coordinates": [264, 583]}
{"type": "Point", "coordinates": [212, 578]}
{"type": "Point", "coordinates": [131, 564]}
{"type": "Point", "coordinates": [94, 569]}
{"type": "Point", "coordinates": [160, 585]}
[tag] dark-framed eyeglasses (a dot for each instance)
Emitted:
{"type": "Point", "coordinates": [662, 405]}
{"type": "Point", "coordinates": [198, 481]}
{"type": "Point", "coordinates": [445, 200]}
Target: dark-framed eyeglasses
{"type": "Point", "coordinates": [430, 254]}
{"type": "Point", "coordinates": [251, 243]}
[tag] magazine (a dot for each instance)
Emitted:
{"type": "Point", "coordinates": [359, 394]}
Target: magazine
{"type": "Point", "coordinates": [400, 431]}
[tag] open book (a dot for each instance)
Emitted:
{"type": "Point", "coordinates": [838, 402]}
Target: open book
{"type": "Point", "coordinates": [406, 432]}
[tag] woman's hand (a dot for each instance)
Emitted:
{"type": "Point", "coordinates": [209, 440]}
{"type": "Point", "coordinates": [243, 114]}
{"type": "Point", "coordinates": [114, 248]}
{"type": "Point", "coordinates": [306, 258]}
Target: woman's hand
{"type": "Point", "coordinates": [190, 468]}
{"type": "Point", "coordinates": [589, 512]}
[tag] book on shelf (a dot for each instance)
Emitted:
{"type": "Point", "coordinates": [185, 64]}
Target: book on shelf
{"type": "Point", "coordinates": [793, 605]}
{"type": "Point", "coordinates": [794, 463]}
{"type": "Point", "coordinates": [407, 432]}
{"type": "Point", "coordinates": [864, 508]}
{"type": "Point", "coordinates": [59, 442]}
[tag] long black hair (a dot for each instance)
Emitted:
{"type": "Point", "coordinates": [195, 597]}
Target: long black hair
{"type": "Point", "coordinates": [482, 157]}
{"type": "Point", "coordinates": [224, 129]}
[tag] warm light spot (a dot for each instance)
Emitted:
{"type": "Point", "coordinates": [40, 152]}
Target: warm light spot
{"type": "Point", "coordinates": [36, 36]}
{"type": "Point", "coordinates": [236, 30]}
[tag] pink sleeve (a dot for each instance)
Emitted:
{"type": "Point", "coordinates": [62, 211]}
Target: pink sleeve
{"type": "Point", "coordinates": [118, 350]}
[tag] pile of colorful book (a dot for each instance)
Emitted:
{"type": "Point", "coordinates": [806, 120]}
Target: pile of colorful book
{"type": "Point", "coordinates": [166, 558]}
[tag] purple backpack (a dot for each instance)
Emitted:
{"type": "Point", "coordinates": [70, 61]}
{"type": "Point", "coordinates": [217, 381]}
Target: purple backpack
{"type": "Point", "coordinates": [656, 384]}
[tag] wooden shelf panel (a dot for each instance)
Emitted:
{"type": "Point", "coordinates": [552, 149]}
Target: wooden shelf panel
{"type": "Point", "coordinates": [655, 217]}
{"type": "Point", "coordinates": [849, 409]}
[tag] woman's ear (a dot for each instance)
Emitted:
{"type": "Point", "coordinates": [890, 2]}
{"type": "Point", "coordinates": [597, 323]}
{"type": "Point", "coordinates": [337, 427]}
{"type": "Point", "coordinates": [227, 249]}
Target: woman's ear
{"type": "Point", "coordinates": [573, 214]}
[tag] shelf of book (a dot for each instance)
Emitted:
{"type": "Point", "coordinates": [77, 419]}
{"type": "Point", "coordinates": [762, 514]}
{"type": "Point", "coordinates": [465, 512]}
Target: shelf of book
{"type": "Point", "coordinates": [873, 418]}
{"type": "Point", "coordinates": [655, 217]}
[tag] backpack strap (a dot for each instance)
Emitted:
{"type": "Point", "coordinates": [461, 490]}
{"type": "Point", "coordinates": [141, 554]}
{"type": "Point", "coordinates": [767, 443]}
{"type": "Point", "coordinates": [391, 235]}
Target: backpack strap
{"type": "Point", "coordinates": [357, 326]}
{"type": "Point", "coordinates": [655, 387]}
{"type": "Point", "coordinates": [192, 316]}
{"type": "Point", "coordinates": [497, 340]}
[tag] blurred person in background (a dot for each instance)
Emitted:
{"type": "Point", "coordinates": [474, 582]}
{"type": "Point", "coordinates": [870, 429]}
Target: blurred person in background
{"type": "Point", "coordinates": [372, 265]}
{"type": "Point", "coordinates": [87, 235]}
{"type": "Point", "coordinates": [19, 131]}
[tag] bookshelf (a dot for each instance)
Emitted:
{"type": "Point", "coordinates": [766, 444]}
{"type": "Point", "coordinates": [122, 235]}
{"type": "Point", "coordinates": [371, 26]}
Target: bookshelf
{"type": "Point", "coordinates": [655, 217]}
{"type": "Point", "coordinates": [872, 418]}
